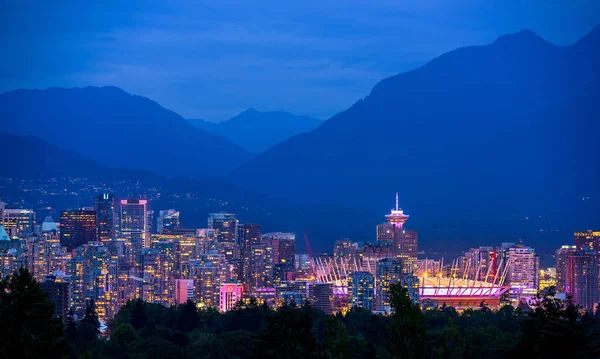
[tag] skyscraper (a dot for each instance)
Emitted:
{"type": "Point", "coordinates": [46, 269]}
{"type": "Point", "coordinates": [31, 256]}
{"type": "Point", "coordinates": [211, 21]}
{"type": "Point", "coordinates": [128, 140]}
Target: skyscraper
{"type": "Point", "coordinates": [17, 222]}
{"type": "Point", "coordinates": [577, 274]}
{"type": "Point", "coordinates": [248, 234]}
{"type": "Point", "coordinates": [523, 273]}
{"type": "Point", "coordinates": [104, 205]}
{"type": "Point", "coordinates": [168, 221]}
{"type": "Point", "coordinates": [389, 271]}
{"type": "Point", "coordinates": [77, 227]}
{"type": "Point", "coordinates": [404, 242]}
{"type": "Point", "coordinates": [133, 224]}
{"type": "Point", "coordinates": [225, 226]}
{"type": "Point", "coordinates": [361, 290]}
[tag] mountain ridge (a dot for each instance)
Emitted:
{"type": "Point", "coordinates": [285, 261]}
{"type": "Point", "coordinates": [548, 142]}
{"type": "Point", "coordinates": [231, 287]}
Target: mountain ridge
{"type": "Point", "coordinates": [257, 131]}
{"type": "Point", "coordinates": [126, 130]}
{"type": "Point", "coordinates": [478, 134]}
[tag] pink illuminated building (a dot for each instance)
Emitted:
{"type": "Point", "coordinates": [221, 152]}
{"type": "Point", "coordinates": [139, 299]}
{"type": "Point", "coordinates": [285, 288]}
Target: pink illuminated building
{"type": "Point", "coordinates": [184, 290]}
{"type": "Point", "coordinates": [231, 293]}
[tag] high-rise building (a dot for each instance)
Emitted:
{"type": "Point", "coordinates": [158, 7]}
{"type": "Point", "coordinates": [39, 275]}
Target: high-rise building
{"type": "Point", "coordinates": [45, 255]}
{"type": "Point", "coordinates": [230, 293]}
{"type": "Point", "coordinates": [322, 296]}
{"type": "Point", "coordinates": [184, 290]}
{"type": "Point", "coordinates": [134, 223]}
{"type": "Point", "coordinates": [588, 240]}
{"type": "Point", "coordinates": [225, 226]}
{"type": "Point", "coordinates": [18, 223]}
{"type": "Point", "coordinates": [523, 273]}
{"type": "Point", "coordinates": [248, 235]}
{"type": "Point", "coordinates": [577, 274]}
{"type": "Point", "coordinates": [77, 227]}
{"type": "Point", "coordinates": [168, 221]}
{"type": "Point", "coordinates": [389, 271]}
{"type": "Point", "coordinates": [105, 205]}
{"type": "Point", "coordinates": [261, 265]}
{"type": "Point", "coordinates": [93, 269]}
{"type": "Point", "coordinates": [404, 242]}
{"type": "Point", "coordinates": [284, 246]}
{"type": "Point", "coordinates": [361, 290]}
{"type": "Point", "coordinates": [57, 287]}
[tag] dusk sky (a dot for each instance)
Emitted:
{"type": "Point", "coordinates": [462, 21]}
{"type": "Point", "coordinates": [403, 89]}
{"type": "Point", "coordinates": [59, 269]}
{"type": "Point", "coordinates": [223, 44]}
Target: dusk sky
{"type": "Point", "coordinates": [214, 59]}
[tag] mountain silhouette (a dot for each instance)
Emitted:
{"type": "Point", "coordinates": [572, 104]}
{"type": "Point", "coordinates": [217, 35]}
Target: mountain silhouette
{"type": "Point", "coordinates": [475, 141]}
{"type": "Point", "coordinates": [117, 129]}
{"type": "Point", "coordinates": [32, 159]}
{"type": "Point", "coordinates": [257, 131]}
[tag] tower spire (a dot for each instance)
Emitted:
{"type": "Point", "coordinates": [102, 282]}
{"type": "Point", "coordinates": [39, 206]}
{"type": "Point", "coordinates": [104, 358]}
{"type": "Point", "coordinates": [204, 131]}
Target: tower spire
{"type": "Point", "coordinates": [396, 201]}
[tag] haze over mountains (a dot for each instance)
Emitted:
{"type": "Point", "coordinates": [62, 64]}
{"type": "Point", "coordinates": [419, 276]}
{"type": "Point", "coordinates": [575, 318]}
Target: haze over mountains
{"type": "Point", "coordinates": [477, 140]}
{"type": "Point", "coordinates": [117, 129]}
{"type": "Point", "coordinates": [257, 131]}
{"type": "Point", "coordinates": [34, 159]}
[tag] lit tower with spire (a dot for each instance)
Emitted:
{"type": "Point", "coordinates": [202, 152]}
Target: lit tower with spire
{"type": "Point", "coordinates": [397, 216]}
{"type": "Point", "coordinates": [404, 242]}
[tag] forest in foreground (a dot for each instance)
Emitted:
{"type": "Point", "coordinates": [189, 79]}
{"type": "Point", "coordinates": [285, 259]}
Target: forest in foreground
{"type": "Point", "coordinates": [144, 330]}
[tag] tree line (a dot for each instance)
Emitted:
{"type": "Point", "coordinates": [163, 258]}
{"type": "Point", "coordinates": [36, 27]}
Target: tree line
{"type": "Point", "coordinates": [550, 327]}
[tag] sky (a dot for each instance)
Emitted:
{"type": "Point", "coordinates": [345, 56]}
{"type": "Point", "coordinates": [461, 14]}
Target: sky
{"type": "Point", "coordinates": [214, 59]}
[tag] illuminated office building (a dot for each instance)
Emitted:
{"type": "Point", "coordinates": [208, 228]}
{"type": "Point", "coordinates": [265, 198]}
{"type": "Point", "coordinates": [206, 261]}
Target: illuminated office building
{"type": "Point", "coordinates": [230, 293]}
{"type": "Point", "coordinates": [577, 275]}
{"type": "Point", "coordinates": [523, 273]}
{"type": "Point", "coordinates": [248, 234]}
{"type": "Point", "coordinates": [94, 271]}
{"type": "Point", "coordinates": [389, 271]}
{"type": "Point", "coordinates": [45, 255]}
{"type": "Point", "coordinates": [225, 226]}
{"type": "Point", "coordinates": [345, 248]}
{"type": "Point", "coordinates": [361, 290]}
{"type": "Point", "coordinates": [261, 265]}
{"type": "Point", "coordinates": [77, 227]}
{"type": "Point", "coordinates": [106, 216]}
{"type": "Point", "coordinates": [168, 221]}
{"type": "Point", "coordinates": [134, 223]}
{"type": "Point", "coordinates": [17, 223]}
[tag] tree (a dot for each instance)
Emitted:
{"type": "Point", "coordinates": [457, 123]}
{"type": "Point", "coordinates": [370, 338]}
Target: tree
{"type": "Point", "coordinates": [447, 342]}
{"type": "Point", "coordinates": [188, 317]}
{"type": "Point", "coordinates": [139, 317]}
{"type": "Point", "coordinates": [123, 336]}
{"type": "Point", "coordinates": [88, 327]}
{"type": "Point", "coordinates": [553, 326]}
{"type": "Point", "coordinates": [335, 342]}
{"type": "Point", "coordinates": [408, 327]}
{"type": "Point", "coordinates": [28, 326]}
{"type": "Point", "coordinates": [71, 333]}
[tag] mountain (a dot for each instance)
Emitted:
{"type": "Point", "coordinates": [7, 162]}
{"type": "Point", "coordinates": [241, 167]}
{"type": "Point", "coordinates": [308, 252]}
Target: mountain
{"type": "Point", "coordinates": [258, 131]}
{"type": "Point", "coordinates": [47, 178]}
{"type": "Point", "coordinates": [117, 129]}
{"type": "Point", "coordinates": [476, 141]}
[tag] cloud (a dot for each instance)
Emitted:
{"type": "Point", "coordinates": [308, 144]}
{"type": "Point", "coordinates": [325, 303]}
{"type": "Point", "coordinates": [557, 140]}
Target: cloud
{"type": "Point", "coordinates": [212, 59]}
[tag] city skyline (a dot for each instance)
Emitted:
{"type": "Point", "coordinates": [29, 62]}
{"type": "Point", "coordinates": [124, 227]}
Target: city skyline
{"type": "Point", "coordinates": [229, 261]}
